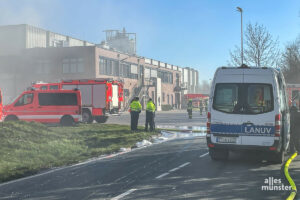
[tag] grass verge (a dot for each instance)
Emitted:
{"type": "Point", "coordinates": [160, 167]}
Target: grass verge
{"type": "Point", "coordinates": [29, 147]}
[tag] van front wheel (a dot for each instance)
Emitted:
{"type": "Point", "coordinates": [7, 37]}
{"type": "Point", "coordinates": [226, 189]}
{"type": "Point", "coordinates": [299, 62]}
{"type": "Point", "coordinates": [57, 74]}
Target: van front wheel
{"type": "Point", "coordinates": [218, 154]}
{"type": "Point", "coordinates": [67, 120]}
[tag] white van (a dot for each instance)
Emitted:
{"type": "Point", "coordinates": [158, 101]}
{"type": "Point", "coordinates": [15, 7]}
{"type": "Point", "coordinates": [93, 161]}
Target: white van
{"type": "Point", "coordinates": [248, 110]}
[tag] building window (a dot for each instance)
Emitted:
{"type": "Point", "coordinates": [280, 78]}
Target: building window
{"type": "Point", "coordinates": [116, 70]}
{"type": "Point", "coordinates": [165, 76]}
{"type": "Point", "coordinates": [72, 65]}
{"type": "Point", "coordinates": [108, 67]}
{"type": "Point", "coordinates": [102, 64]}
{"type": "Point", "coordinates": [113, 68]}
{"type": "Point", "coordinates": [126, 70]}
{"type": "Point", "coordinates": [43, 67]}
{"type": "Point", "coordinates": [163, 97]}
{"type": "Point", "coordinates": [168, 98]}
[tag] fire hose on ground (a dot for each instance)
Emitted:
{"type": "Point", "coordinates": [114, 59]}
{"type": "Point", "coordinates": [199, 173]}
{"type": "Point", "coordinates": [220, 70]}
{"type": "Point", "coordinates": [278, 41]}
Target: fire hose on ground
{"type": "Point", "coordinates": [288, 177]}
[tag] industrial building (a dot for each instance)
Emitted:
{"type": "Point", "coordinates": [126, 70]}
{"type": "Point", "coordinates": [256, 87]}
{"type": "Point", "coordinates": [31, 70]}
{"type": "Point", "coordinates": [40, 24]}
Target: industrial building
{"type": "Point", "coordinates": [29, 54]}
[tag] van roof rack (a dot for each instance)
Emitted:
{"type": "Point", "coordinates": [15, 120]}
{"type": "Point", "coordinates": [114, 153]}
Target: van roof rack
{"type": "Point", "coordinates": [244, 66]}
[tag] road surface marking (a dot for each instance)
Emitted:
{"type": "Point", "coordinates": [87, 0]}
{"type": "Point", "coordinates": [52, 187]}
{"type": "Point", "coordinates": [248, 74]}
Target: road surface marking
{"type": "Point", "coordinates": [181, 166]}
{"type": "Point", "coordinates": [185, 164]}
{"type": "Point", "coordinates": [124, 194]}
{"type": "Point", "coordinates": [203, 155]}
{"type": "Point", "coordinates": [172, 170]}
{"type": "Point", "coordinates": [162, 175]}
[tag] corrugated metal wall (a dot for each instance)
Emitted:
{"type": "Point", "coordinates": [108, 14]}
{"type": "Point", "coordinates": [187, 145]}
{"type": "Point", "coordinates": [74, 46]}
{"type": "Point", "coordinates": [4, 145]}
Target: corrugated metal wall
{"type": "Point", "coordinates": [35, 37]}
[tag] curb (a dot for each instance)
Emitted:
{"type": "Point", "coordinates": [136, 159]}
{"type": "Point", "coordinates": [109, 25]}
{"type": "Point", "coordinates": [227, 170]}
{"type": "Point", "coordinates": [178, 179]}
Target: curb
{"type": "Point", "coordinates": [288, 177]}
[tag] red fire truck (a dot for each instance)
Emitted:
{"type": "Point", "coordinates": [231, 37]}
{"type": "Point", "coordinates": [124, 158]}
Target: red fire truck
{"type": "Point", "coordinates": [293, 91]}
{"type": "Point", "coordinates": [1, 106]}
{"type": "Point", "coordinates": [99, 96]}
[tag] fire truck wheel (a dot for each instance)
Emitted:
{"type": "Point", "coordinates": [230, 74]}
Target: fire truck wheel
{"type": "Point", "coordinates": [101, 119]}
{"type": "Point", "coordinates": [87, 116]}
{"type": "Point", "coordinates": [11, 118]}
{"type": "Point", "coordinates": [67, 120]}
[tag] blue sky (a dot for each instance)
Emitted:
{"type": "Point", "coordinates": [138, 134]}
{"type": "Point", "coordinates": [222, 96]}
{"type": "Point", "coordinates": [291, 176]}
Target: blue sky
{"type": "Point", "coordinates": [194, 33]}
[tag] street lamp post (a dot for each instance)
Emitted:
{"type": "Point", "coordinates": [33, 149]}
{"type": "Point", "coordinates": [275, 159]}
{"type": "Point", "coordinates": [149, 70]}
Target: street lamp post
{"type": "Point", "coordinates": [242, 51]}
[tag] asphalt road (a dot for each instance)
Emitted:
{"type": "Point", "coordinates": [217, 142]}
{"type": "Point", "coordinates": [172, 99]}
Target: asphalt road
{"type": "Point", "coordinates": [177, 169]}
{"type": "Point", "coordinates": [163, 118]}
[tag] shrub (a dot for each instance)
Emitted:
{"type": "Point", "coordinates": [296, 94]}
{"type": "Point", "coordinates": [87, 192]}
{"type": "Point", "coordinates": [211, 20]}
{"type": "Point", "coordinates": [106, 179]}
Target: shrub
{"type": "Point", "coordinates": [166, 107]}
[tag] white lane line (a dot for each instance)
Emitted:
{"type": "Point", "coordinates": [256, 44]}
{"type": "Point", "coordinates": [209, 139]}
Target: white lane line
{"type": "Point", "coordinates": [185, 164]}
{"type": "Point", "coordinates": [124, 194]}
{"type": "Point", "coordinates": [172, 170]}
{"type": "Point", "coordinates": [162, 175]}
{"type": "Point", "coordinates": [203, 155]}
{"type": "Point", "coordinates": [177, 168]}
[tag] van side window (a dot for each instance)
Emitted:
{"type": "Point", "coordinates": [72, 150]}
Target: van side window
{"type": "Point", "coordinates": [285, 96]}
{"type": "Point", "coordinates": [25, 100]}
{"type": "Point", "coordinates": [281, 94]}
{"type": "Point", "coordinates": [57, 99]}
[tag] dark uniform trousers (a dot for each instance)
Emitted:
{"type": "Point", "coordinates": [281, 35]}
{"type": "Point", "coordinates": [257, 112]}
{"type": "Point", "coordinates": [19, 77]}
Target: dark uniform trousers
{"type": "Point", "coordinates": [294, 127]}
{"type": "Point", "coordinates": [134, 120]}
{"type": "Point", "coordinates": [149, 120]}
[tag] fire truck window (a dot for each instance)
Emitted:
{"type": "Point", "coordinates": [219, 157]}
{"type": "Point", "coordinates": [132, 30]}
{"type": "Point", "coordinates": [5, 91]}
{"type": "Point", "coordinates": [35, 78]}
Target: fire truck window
{"type": "Point", "coordinates": [53, 87]}
{"type": "Point", "coordinates": [44, 87]}
{"type": "Point", "coordinates": [25, 100]}
{"type": "Point", "coordinates": [57, 99]}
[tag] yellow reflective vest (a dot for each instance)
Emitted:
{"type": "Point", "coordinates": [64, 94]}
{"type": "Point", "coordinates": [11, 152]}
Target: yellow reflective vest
{"type": "Point", "coordinates": [150, 106]}
{"type": "Point", "coordinates": [135, 106]}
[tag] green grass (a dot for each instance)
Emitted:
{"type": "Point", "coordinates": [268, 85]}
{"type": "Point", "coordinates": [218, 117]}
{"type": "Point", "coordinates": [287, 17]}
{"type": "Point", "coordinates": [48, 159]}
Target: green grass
{"type": "Point", "coordinates": [26, 148]}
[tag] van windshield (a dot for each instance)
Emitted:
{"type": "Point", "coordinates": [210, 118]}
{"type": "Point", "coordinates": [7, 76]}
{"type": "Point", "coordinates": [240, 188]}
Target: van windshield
{"type": "Point", "coordinates": [243, 98]}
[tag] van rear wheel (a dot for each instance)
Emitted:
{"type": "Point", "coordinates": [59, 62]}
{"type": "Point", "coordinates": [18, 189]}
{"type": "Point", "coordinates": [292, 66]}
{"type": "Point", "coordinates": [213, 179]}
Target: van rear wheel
{"type": "Point", "coordinates": [218, 154]}
{"type": "Point", "coordinates": [101, 119]}
{"type": "Point", "coordinates": [67, 120]}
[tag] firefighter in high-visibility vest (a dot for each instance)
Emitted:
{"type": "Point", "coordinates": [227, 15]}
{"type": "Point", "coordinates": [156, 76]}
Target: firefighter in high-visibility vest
{"type": "Point", "coordinates": [190, 108]}
{"type": "Point", "coordinates": [150, 114]}
{"type": "Point", "coordinates": [135, 110]}
{"type": "Point", "coordinates": [201, 107]}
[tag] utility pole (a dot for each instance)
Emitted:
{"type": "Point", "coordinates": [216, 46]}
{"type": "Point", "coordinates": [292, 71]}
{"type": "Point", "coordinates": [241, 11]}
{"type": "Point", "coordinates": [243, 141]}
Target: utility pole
{"type": "Point", "coordinates": [242, 51]}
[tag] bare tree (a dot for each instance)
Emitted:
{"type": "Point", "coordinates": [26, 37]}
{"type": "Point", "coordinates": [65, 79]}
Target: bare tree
{"type": "Point", "coordinates": [290, 62]}
{"type": "Point", "coordinates": [261, 50]}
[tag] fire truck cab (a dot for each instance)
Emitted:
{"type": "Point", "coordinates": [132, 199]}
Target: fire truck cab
{"type": "Point", "coordinates": [293, 91]}
{"type": "Point", "coordinates": [99, 96]}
